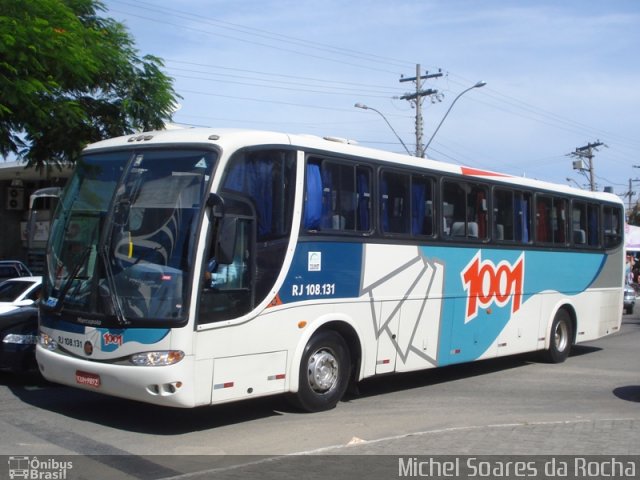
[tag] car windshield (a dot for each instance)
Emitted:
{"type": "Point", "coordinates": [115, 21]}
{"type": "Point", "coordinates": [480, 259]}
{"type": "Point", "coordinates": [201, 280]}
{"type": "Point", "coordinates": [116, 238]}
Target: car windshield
{"type": "Point", "coordinates": [10, 290]}
{"type": "Point", "coordinates": [123, 237]}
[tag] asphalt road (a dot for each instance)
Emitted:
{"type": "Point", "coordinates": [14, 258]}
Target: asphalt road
{"type": "Point", "coordinates": [589, 405]}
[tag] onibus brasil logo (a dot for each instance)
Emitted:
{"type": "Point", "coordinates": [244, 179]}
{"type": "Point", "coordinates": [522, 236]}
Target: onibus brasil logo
{"type": "Point", "coordinates": [38, 469]}
{"type": "Point", "coordinates": [487, 283]}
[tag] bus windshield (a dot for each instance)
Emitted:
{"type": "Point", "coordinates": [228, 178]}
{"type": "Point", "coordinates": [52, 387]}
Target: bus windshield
{"type": "Point", "coordinates": [123, 240]}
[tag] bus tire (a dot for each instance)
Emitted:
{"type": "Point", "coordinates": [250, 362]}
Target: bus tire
{"type": "Point", "coordinates": [324, 372]}
{"type": "Point", "coordinates": [561, 338]}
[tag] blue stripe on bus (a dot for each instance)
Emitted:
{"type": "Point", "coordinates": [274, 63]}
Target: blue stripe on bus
{"type": "Point", "coordinates": [335, 273]}
{"type": "Point", "coordinates": [112, 339]}
{"type": "Point", "coordinates": [323, 271]}
{"type": "Point", "coordinates": [55, 322]}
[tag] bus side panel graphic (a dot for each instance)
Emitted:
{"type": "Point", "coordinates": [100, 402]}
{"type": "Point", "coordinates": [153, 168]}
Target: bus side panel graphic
{"type": "Point", "coordinates": [433, 306]}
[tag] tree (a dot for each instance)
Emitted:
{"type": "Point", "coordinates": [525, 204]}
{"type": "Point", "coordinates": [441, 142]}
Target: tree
{"type": "Point", "coordinates": [69, 77]}
{"type": "Point", "coordinates": [634, 216]}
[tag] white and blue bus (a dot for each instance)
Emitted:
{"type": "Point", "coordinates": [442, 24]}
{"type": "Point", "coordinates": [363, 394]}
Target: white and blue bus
{"type": "Point", "coordinates": [199, 266]}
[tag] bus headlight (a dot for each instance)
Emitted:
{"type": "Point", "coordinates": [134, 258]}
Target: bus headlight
{"type": "Point", "coordinates": [157, 359]}
{"type": "Point", "coordinates": [47, 341]}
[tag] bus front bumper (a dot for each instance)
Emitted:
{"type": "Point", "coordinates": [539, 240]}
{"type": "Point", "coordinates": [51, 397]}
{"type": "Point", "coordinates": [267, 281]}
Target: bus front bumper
{"type": "Point", "coordinates": [170, 385]}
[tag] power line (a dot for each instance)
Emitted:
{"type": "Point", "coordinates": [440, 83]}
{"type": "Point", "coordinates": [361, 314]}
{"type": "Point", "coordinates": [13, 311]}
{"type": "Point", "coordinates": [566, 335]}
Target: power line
{"type": "Point", "coordinates": [164, 21]}
{"type": "Point", "coordinates": [358, 85]}
{"type": "Point", "coordinates": [364, 60]}
{"type": "Point", "coordinates": [143, 5]}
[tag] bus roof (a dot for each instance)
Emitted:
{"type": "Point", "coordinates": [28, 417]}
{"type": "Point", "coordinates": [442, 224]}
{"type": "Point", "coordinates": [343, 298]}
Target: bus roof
{"type": "Point", "coordinates": [231, 139]}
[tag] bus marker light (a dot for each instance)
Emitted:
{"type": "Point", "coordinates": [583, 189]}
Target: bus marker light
{"type": "Point", "coordinates": [386, 361]}
{"type": "Point", "coordinates": [302, 324]}
{"type": "Point", "coordinates": [280, 376]}
{"type": "Point", "coordinates": [218, 386]}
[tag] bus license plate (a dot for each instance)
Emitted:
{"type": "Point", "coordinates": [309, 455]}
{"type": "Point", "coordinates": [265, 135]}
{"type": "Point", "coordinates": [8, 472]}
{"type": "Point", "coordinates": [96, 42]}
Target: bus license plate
{"type": "Point", "coordinates": [89, 379]}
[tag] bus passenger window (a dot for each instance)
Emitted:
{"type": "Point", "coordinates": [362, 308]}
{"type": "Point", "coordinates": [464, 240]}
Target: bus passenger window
{"type": "Point", "coordinates": [579, 224]}
{"type": "Point", "coordinates": [421, 205]}
{"type": "Point", "coordinates": [560, 224]}
{"type": "Point", "coordinates": [503, 215]}
{"type": "Point", "coordinates": [551, 220]}
{"type": "Point", "coordinates": [453, 208]}
{"type": "Point", "coordinates": [523, 217]}
{"type": "Point", "coordinates": [337, 197]}
{"type": "Point", "coordinates": [477, 212]}
{"type": "Point", "coordinates": [593, 225]}
{"type": "Point", "coordinates": [543, 219]}
{"type": "Point", "coordinates": [363, 195]}
{"type": "Point", "coordinates": [612, 223]}
{"type": "Point", "coordinates": [395, 203]}
{"type": "Point", "coordinates": [469, 201]}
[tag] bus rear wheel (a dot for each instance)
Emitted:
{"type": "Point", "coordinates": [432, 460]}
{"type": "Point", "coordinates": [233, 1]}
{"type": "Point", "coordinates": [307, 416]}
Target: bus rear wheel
{"type": "Point", "coordinates": [324, 372]}
{"type": "Point", "coordinates": [561, 338]}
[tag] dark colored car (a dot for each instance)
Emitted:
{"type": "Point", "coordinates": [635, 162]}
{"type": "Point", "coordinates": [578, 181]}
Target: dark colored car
{"type": "Point", "coordinates": [13, 269]}
{"type": "Point", "coordinates": [629, 299]}
{"type": "Point", "coordinates": [18, 336]}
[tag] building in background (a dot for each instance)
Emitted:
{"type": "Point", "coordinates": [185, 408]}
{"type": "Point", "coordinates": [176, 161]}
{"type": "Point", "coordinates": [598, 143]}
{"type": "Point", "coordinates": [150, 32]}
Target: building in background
{"type": "Point", "coordinates": [17, 183]}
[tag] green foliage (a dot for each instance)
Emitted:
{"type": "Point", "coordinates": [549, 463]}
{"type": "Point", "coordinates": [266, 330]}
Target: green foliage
{"type": "Point", "coordinates": [69, 77]}
{"type": "Point", "coordinates": [634, 216]}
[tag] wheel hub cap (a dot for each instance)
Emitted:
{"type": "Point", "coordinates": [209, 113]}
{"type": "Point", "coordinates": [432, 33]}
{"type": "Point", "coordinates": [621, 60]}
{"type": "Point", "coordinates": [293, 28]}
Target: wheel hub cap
{"type": "Point", "coordinates": [323, 371]}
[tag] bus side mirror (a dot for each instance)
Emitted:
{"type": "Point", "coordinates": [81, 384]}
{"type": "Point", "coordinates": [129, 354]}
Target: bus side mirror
{"type": "Point", "coordinates": [226, 244]}
{"type": "Point", "coordinates": [216, 203]}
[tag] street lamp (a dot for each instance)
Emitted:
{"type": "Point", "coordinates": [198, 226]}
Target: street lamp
{"type": "Point", "coordinates": [477, 85]}
{"type": "Point", "coordinates": [572, 180]}
{"type": "Point", "coordinates": [365, 107]}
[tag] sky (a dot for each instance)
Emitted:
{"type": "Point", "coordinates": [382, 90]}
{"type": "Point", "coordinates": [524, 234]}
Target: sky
{"type": "Point", "coordinates": [559, 75]}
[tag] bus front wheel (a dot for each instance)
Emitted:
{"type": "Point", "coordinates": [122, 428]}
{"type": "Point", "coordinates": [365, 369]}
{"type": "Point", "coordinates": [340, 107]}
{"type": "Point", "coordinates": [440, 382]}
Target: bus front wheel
{"type": "Point", "coordinates": [561, 337]}
{"type": "Point", "coordinates": [324, 372]}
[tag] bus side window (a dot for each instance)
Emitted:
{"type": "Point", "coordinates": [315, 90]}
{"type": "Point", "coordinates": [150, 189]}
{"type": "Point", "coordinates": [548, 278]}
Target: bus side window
{"type": "Point", "coordinates": [523, 217]}
{"type": "Point", "coordinates": [469, 203]}
{"type": "Point", "coordinates": [593, 225]}
{"type": "Point", "coordinates": [363, 195]}
{"type": "Point", "coordinates": [337, 197]}
{"type": "Point", "coordinates": [453, 209]}
{"type": "Point", "coordinates": [580, 224]}
{"type": "Point", "coordinates": [422, 205]}
{"type": "Point", "coordinates": [543, 219]}
{"type": "Point", "coordinates": [227, 287]}
{"type": "Point", "coordinates": [612, 226]}
{"type": "Point", "coordinates": [395, 203]}
{"type": "Point", "coordinates": [313, 198]}
{"type": "Point", "coordinates": [503, 215]}
{"type": "Point", "coordinates": [477, 212]}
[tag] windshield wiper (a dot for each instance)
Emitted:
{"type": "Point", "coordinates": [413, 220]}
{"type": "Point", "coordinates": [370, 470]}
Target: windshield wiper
{"type": "Point", "coordinates": [72, 276]}
{"type": "Point", "coordinates": [111, 283]}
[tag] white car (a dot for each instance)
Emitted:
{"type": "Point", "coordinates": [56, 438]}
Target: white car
{"type": "Point", "coordinates": [19, 292]}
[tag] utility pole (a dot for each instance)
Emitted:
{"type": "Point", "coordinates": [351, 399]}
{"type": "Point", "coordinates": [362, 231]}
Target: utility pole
{"type": "Point", "coordinates": [587, 152]}
{"type": "Point", "coordinates": [631, 192]}
{"type": "Point", "coordinates": [416, 99]}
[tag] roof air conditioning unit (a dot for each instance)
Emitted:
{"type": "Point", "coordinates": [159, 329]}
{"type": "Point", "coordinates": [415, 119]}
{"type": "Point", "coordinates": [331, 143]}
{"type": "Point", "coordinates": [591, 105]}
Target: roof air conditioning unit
{"type": "Point", "coordinates": [15, 198]}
